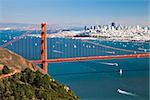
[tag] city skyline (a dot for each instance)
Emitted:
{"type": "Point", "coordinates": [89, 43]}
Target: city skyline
{"type": "Point", "coordinates": [77, 12]}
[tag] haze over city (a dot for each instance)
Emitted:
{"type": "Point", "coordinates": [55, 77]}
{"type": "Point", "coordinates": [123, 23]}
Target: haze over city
{"type": "Point", "coordinates": [76, 12]}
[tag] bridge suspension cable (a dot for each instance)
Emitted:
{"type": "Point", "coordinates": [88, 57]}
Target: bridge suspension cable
{"type": "Point", "coordinates": [105, 46]}
{"type": "Point", "coordinates": [16, 39]}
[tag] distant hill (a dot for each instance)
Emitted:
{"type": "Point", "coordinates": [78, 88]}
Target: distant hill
{"type": "Point", "coordinates": [14, 25]}
{"type": "Point", "coordinates": [52, 27]}
{"type": "Point", "coordinates": [28, 83]}
{"type": "Point", "coordinates": [17, 26]}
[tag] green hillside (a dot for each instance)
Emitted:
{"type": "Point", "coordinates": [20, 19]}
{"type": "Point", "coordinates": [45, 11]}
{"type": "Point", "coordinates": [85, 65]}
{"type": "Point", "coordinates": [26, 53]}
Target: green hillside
{"type": "Point", "coordinates": [29, 85]}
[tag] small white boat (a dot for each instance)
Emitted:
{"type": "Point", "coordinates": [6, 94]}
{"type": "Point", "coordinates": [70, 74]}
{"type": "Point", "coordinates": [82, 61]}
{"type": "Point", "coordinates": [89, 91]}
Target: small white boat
{"type": "Point", "coordinates": [74, 46]}
{"type": "Point", "coordinates": [65, 45]}
{"type": "Point", "coordinates": [120, 71]}
{"type": "Point", "coordinates": [35, 44]}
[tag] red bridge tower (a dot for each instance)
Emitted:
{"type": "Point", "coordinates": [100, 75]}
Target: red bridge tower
{"type": "Point", "coordinates": [44, 48]}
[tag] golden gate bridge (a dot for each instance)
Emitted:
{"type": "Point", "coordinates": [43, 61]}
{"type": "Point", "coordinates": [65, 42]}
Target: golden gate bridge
{"type": "Point", "coordinates": [43, 50]}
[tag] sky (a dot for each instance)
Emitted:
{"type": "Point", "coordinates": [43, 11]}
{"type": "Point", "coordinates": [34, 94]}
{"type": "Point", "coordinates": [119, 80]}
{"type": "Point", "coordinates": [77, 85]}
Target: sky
{"type": "Point", "coordinates": [78, 12]}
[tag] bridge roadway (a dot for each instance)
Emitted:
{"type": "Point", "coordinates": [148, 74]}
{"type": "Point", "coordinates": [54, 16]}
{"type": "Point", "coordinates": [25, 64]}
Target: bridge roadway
{"type": "Point", "coordinates": [92, 58]}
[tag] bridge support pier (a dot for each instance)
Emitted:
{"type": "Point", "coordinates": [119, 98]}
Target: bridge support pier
{"type": "Point", "coordinates": [44, 48]}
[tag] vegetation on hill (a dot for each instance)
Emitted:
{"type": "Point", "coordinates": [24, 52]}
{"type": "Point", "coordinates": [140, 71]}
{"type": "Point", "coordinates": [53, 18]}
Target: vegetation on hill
{"type": "Point", "coordinates": [5, 70]}
{"type": "Point", "coordinates": [30, 85]}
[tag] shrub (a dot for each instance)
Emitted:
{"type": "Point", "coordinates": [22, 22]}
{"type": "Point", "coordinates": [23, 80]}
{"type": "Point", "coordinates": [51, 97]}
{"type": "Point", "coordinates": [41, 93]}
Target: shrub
{"type": "Point", "coordinates": [5, 70]}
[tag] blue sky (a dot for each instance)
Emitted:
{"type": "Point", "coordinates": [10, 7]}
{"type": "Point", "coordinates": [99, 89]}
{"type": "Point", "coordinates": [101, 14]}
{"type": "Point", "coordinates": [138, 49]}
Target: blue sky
{"type": "Point", "coordinates": [75, 11]}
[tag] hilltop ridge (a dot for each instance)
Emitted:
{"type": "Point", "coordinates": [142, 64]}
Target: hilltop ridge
{"type": "Point", "coordinates": [14, 61]}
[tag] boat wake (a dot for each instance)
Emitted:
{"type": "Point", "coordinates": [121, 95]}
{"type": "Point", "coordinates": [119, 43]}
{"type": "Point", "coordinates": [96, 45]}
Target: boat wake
{"type": "Point", "coordinates": [142, 49]}
{"type": "Point", "coordinates": [56, 51]}
{"type": "Point", "coordinates": [110, 52]}
{"type": "Point", "coordinates": [110, 64]}
{"type": "Point", "coordinates": [125, 92]}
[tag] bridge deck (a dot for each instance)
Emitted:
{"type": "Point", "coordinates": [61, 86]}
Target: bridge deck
{"type": "Point", "coordinates": [92, 58]}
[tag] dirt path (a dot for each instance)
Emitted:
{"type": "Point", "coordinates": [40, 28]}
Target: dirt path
{"type": "Point", "coordinates": [9, 74]}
